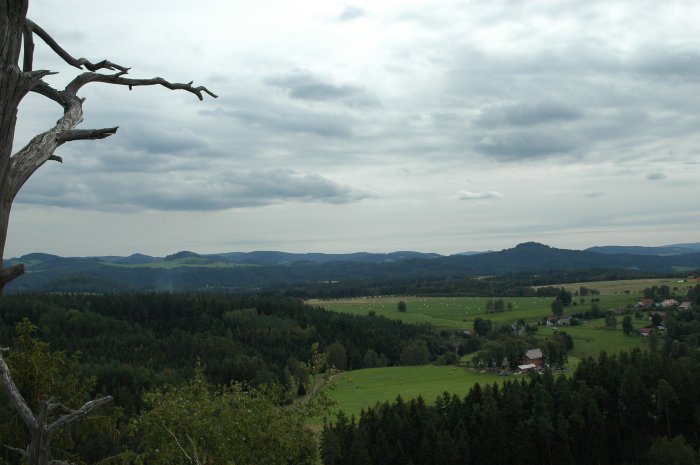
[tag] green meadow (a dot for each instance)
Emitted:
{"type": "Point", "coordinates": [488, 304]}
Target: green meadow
{"type": "Point", "coordinates": [460, 312]}
{"type": "Point", "coordinates": [355, 390]}
{"type": "Point", "coordinates": [360, 389]}
{"type": "Point", "coordinates": [591, 337]}
{"type": "Point", "coordinates": [633, 288]}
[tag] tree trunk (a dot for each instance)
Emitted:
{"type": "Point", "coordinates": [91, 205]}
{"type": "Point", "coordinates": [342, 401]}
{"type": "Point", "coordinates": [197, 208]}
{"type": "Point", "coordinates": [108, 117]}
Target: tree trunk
{"type": "Point", "coordinates": [39, 447]}
{"type": "Point", "coordinates": [16, 35]}
{"type": "Point", "coordinates": [12, 17]}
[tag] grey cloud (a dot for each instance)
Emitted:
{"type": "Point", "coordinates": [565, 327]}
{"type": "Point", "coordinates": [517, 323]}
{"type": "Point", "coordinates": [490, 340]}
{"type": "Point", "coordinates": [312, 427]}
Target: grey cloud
{"type": "Point", "coordinates": [159, 141]}
{"type": "Point", "coordinates": [189, 192]}
{"type": "Point", "coordinates": [515, 146]}
{"type": "Point", "coordinates": [288, 119]}
{"type": "Point", "coordinates": [667, 62]}
{"type": "Point", "coordinates": [527, 114]}
{"type": "Point", "coordinates": [655, 176]}
{"type": "Point", "coordinates": [594, 194]}
{"type": "Point", "coordinates": [303, 85]}
{"type": "Point", "coordinates": [485, 195]}
{"type": "Point", "coordinates": [351, 12]}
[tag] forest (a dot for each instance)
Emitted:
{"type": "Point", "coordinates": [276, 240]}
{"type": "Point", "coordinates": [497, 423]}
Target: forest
{"type": "Point", "coordinates": [152, 352]}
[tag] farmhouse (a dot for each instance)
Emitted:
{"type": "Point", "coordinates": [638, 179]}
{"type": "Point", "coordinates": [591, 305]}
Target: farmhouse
{"type": "Point", "coordinates": [669, 303]}
{"type": "Point", "coordinates": [644, 303]}
{"type": "Point", "coordinates": [685, 306]}
{"type": "Point", "coordinates": [645, 331]}
{"type": "Point", "coordinates": [533, 357]}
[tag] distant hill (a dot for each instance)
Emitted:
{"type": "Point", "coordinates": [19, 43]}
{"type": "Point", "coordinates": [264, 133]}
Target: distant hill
{"type": "Point", "coordinates": [259, 270]}
{"type": "Point", "coordinates": [133, 259]}
{"type": "Point", "coordinates": [674, 249]}
{"type": "Point", "coordinates": [284, 258]}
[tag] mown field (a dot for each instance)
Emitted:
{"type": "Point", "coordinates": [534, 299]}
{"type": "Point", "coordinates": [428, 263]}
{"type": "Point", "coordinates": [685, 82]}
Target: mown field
{"type": "Point", "coordinates": [460, 312]}
{"type": "Point", "coordinates": [631, 287]}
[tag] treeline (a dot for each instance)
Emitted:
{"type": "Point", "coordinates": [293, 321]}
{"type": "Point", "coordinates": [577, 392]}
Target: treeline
{"type": "Point", "coordinates": [631, 408]}
{"type": "Point", "coordinates": [507, 285]}
{"type": "Point", "coordinates": [135, 342]}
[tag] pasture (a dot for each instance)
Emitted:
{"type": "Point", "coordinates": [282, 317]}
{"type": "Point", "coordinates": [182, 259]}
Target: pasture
{"type": "Point", "coordinates": [358, 389]}
{"type": "Point", "coordinates": [460, 312]}
{"type": "Point", "coordinates": [591, 337]}
{"type": "Point", "coordinates": [363, 388]}
{"type": "Point", "coordinates": [633, 288]}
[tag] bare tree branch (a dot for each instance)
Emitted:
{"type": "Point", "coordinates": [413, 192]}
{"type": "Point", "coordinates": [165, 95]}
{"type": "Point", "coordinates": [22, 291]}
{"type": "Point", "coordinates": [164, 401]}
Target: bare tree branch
{"type": "Point", "coordinates": [28, 47]}
{"type": "Point", "coordinates": [119, 79]}
{"type": "Point", "coordinates": [7, 275]}
{"type": "Point", "coordinates": [177, 442]}
{"type": "Point", "coordinates": [15, 449]}
{"type": "Point", "coordinates": [18, 402]}
{"type": "Point", "coordinates": [85, 134]}
{"type": "Point", "coordinates": [77, 62]}
{"type": "Point", "coordinates": [78, 414]}
{"type": "Point", "coordinates": [47, 91]}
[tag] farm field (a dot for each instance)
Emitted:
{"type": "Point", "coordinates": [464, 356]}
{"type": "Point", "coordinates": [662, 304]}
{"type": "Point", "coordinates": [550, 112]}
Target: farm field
{"type": "Point", "coordinates": [460, 312]}
{"type": "Point", "coordinates": [363, 388]}
{"type": "Point", "coordinates": [631, 287]}
{"type": "Point", "coordinates": [355, 390]}
{"type": "Point", "coordinates": [591, 338]}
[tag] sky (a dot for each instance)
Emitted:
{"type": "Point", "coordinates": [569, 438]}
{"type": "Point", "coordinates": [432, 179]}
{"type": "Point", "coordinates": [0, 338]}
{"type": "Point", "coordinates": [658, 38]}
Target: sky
{"type": "Point", "coordinates": [435, 126]}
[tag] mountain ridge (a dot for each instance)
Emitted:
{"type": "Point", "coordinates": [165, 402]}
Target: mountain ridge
{"type": "Point", "coordinates": [231, 272]}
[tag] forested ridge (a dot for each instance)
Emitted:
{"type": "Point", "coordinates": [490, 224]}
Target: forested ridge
{"type": "Point", "coordinates": [135, 342]}
{"type": "Point", "coordinates": [353, 274]}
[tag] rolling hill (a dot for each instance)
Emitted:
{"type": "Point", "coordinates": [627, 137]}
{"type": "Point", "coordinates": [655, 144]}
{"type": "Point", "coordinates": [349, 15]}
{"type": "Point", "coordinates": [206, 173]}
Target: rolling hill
{"type": "Point", "coordinates": [255, 270]}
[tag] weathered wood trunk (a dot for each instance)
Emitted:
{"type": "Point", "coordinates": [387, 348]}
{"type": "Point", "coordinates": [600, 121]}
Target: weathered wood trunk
{"type": "Point", "coordinates": [39, 448]}
{"type": "Point", "coordinates": [12, 90]}
{"type": "Point", "coordinates": [16, 36]}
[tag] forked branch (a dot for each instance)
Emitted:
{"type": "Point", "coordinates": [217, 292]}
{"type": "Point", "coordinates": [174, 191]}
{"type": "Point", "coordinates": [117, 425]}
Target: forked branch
{"type": "Point", "coordinates": [119, 79]}
{"type": "Point", "coordinates": [31, 27]}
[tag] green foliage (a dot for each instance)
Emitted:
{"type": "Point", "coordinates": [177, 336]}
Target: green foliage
{"type": "Point", "coordinates": [557, 307]}
{"type": "Point", "coordinates": [671, 452]}
{"type": "Point", "coordinates": [415, 353]}
{"type": "Point", "coordinates": [610, 411]}
{"type": "Point", "coordinates": [42, 375]}
{"type": "Point", "coordinates": [373, 360]}
{"type": "Point", "coordinates": [482, 327]}
{"type": "Point", "coordinates": [627, 325]}
{"type": "Point", "coordinates": [401, 306]}
{"type": "Point", "coordinates": [197, 424]}
{"type": "Point", "coordinates": [337, 356]}
{"type": "Point", "coordinates": [610, 322]}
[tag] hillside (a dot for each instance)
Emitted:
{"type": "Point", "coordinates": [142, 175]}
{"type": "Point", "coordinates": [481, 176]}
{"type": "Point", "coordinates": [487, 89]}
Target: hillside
{"type": "Point", "coordinates": [255, 270]}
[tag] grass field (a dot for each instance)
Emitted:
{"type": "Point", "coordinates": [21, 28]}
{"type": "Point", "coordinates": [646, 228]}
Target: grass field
{"type": "Point", "coordinates": [591, 337]}
{"type": "Point", "coordinates": [460, 312]}
{"type": "Point", "coordinates": [363, 388]}
{"type": "Point", "coordinates": [355, 390]}
{"type": "Point", "coordinates": [632, 287]}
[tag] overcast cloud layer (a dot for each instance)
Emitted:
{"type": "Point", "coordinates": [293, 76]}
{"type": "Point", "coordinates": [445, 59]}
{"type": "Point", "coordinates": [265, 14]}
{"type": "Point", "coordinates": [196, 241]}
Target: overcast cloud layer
{"type": "Point", "coordinates": [438, 126]}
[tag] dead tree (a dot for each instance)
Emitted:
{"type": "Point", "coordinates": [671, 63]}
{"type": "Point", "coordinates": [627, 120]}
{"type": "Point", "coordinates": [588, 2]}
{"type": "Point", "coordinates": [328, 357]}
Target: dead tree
{"type": "Point", "coordinates": [17, 79]}
{"type": "Point", "coordinates": [52, 418]}
{"type": "Point", "coordinates": [16, 36]}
